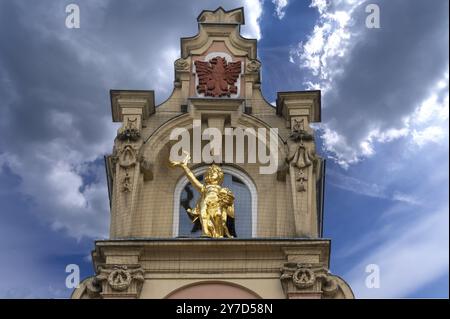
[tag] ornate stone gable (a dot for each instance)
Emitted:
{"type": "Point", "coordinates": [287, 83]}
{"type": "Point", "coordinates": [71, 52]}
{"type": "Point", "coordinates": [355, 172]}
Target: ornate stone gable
{"type": "Point", "coordinates": [216, 85]}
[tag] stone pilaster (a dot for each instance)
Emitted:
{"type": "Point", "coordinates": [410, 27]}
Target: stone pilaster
{"type": "Point", "coordinates": [300, 109]}
{"type": "Point", "coordinates": [129, 167]}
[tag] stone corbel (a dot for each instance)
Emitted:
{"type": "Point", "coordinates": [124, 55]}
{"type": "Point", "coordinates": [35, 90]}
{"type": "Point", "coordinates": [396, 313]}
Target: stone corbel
{"type": "Point", "coordinates": [119, 281]}
{"type": "Point", "coordinates": [300, 280]}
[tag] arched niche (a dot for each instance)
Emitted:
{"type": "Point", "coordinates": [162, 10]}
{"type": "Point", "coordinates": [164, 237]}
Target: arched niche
{"type": "Point", "coordinates": [213, 290]}
{"type": "Point", "coordinates": [227, 169]}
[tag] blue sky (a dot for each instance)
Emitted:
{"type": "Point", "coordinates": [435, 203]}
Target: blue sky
{"type": "Point", "coordinates": [384, 127]}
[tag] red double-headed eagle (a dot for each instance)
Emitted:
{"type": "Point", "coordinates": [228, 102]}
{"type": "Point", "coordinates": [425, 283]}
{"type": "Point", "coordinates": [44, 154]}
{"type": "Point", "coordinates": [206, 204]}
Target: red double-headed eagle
{"type": "Point", "coordinates": [217, 77]}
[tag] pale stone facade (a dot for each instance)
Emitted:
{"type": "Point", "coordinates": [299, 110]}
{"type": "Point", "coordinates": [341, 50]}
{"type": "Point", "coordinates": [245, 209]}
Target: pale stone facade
{"type": "Point", "coordinates": [285, 258]}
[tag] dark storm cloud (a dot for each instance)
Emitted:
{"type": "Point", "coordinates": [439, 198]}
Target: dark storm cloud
{"type": "Point", "coordinates": [390, 70]}
{"type": "Point", "coordinates": [375, 79]}
{"type": "Point", "coordinates": [55, 86]}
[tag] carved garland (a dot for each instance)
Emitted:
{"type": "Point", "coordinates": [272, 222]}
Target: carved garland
{"type": "Point", "coordinates": [120, 277]}
{"type": "Point", "coordinates": [301, 277]}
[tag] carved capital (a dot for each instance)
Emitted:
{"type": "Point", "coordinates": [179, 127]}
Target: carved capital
{"type": "Point", "coordinates": [301, 104]}
{"type": "Point", "coordinates": [305, 280]}
{"type": "Point", "coordinates": [120, 280]}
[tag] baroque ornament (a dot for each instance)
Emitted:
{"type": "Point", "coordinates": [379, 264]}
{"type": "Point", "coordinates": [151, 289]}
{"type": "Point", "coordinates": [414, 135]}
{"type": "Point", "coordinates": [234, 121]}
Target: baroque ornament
{"type": "Point", "coordinates": [217, 77]}
{"type": "Point", "coordinates": [303, 278]}
{"type": "Point", "coordinates": [300, 277]}
{"type": "Point", "coordinates": [301, 179]}
{"type": "Point", "coordinates": [253, 66]}
{"type": "Point", "coordinates": [127, 155]}
{"type": "Point", "coordinates": [181, 65]}
{"type": "Point", "coordinates": [119, 279]}
{"type": "Point", "coordinates": [129, 131]}
{"type": "Point", "coordinates": [126, 183]}
{"type": "Point", "coordinates": [300, 156]}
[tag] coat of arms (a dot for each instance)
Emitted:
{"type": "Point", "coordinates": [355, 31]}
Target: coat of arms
{"type": "Point", "coordinates": [217, 77]}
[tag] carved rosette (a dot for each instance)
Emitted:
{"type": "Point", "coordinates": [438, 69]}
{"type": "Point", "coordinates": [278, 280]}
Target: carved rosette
{"type": "Point", "coordinates": [299, 279]}
{"type": "Point", "coordinates": [120, 281]}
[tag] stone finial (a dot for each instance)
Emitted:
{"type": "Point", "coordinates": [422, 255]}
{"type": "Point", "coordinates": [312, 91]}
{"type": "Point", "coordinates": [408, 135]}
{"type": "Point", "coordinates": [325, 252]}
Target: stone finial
{"type": "Point", "coordinates": [235, 16]}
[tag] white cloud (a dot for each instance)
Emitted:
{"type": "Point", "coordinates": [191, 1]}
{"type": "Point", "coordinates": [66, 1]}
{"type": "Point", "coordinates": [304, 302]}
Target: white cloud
{"type": "Point", "coordinates": [405, 198]}
{"type": "Point", "coordinates": [430, 134]}
{"type": "Point", "coordinates": [329, 39]}
{"type": "Point", "coordinates": [370, 94]}
{"type": "Point", "coordinates": [321, 5]}
{"type": "Point", "coordinates": [280, 7]}
{"type": "Point", "coordinates": [59, 194]}
{"type": "Point", "coordinates": [58, 95]}
{"type": "Point", "coordinates": [253, 11]}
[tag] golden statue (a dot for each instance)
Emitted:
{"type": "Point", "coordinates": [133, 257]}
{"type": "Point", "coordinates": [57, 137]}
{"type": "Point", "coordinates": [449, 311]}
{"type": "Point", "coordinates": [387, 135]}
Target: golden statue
{"type": "Point", "coordinates": [216, 203]}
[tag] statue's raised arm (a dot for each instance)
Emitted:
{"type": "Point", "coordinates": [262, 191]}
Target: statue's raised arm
{"type": "Point", "coordinates": [191, 177]}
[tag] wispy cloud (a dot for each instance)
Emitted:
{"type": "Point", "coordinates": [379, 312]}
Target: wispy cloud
{"type": "Point", "coordinates": [280, 7]}
{"type": "Point", "coordinates": [56, 81]}
{"type": "Point", "coordinates": [358, 186]}
{"type": "Point", "coordinates": [410, 256]}
{"type": "Point", "coordinates": [365, 102]}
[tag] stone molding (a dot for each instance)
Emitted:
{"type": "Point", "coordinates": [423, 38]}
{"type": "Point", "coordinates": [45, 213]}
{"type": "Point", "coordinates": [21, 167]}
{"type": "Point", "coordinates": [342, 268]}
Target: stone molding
{"type": "Point", "coordinates": [300, 266]}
